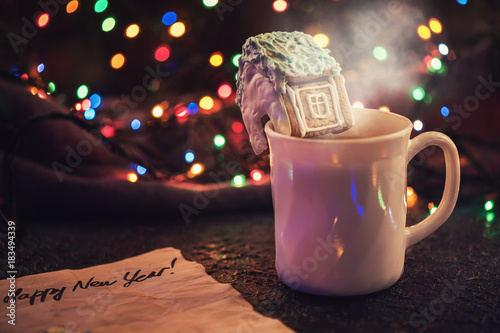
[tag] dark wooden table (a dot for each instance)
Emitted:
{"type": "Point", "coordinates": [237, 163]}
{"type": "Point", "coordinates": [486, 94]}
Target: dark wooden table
{"type": "Point", "coordinates": [450, 283]}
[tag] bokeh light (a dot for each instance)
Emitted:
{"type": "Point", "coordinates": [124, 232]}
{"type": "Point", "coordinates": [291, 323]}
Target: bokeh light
{"type": "Point", "coordinates": [206, 102]}
{"type": "Point", "coordinates": [216, 59]}
{"type": "Point", "coordinates": [256, 175]}
{"type": "Point", "coordinates": [108, 24]}
{"type": "Point", "coordinates": [418, 94]}
{"type": "Point", "coordinates": [462, 2]}
{"type": "Point", "coordinates": [95, 101]}
{"type": "Point", "coordinates": [100, 6]}
{"type": "Point", "coordinates": [181, 110]}
{"type": "Point", "coordinates": [157, 111]}
{"type": "Point", "coordinates": [40, 68]}
{"type": "Point", "coordinates": [358, 104]}
{"type": "Point", "coordinates": [238, 181]}
{"type": "Point", "coordinates": [321, 39]}
{"type": "Point", "coordinates": [82, 91]}
{"type": "Point", "coordinates": [210, 3]}
{"type": "Point", "coordinates": [117, 61]}
{"type": "Point", "coordinates": [224, 90]}
{"type": "Point", "coordinates": [443, 49]}
{"type": "Point", "coordinates": [435, 26]}
{"type": "Point", "coordinates": [132, 31]}
{"type": "Point", "coordinates": [280, 6]}
{"type": "Point", "coordinates": [51, 87]}
{"type": "Point", "coordinates": [189, 156]}
{"type": "Point", "coordinates": [418, 125]}
{"type": "Point", "coordinates": [237, 127]}
{"type": "Point", "coordinates": [384, 108]}
{"type": "Point", "coordinates": [423, 32]}
{"type": "Point", "coordinates": [411, 197]}
{"type": "Point", "coordinates": [162, 53]}
{"type": "Point", "coordinates": [72, 6]}
{"type": "Point", "coordinates": [43, 20]}
{"type": "Point", "coordinates": [86, 104]}
{"type": "Point", "coordinates": [488, 205]}
{"type": "Point", "coordinates": [236, 59]}
{"type": "Point", "coordinates": [89, 114]}
{"type": "Point", "coordinates": [108, 131]}
{"type": "Point", "coordinates": [219, 141]}
{"type": "Point", "coordinates": [141, 170]}
{"type": "Point", "coordinates": [177, 29]}
{"type": "Point", "coordinates": [436, 64]}
{"type": "Point", "coordinates": [445, 111]}
{"type": "Point", "coordinates": [195, 170]}
{"type": "Point", "coordinates": [380, 53]}
{"type": "Point", "coordinates": [192, 108]}
{"type": "Point", "coordinates": [135, 124]}
{"type": "Point", "coordinates": [132, 177]}
{"type": "Point", "coordinates": [169, 18]}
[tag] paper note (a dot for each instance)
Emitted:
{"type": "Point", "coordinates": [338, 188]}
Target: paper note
{"type": "Point", "coordinates": [158, 291]}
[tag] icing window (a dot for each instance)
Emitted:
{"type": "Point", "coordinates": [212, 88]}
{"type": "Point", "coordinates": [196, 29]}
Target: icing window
{"type": "Point", "coordinates": [318, 104]}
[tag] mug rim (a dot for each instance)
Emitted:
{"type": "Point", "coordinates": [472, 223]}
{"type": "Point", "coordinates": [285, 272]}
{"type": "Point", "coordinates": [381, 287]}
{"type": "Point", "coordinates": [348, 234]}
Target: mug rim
{"type": "Point", "coordinates": [270, 131]}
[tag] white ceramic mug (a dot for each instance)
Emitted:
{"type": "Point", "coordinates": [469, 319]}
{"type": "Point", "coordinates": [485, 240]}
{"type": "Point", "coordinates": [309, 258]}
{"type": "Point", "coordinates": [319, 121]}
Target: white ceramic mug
{"type": "Point", "coordinates": [340, 203]}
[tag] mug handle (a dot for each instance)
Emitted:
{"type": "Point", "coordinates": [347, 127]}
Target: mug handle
{"type": "Point", "coordinates": [419, 231]}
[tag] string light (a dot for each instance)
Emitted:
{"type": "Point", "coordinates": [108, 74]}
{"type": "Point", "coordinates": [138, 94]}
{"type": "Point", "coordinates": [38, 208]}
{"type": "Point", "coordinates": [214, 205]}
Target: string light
{"type": "Point", "coordinates": [206, 102]}
{"type": "Point", "coordinates": [280, 6]}
{"type": "Point", "coordinates": [135, 124]}
{"type": "Point", "coordinates": [117, 61]}
{"type": "Point", "coordinates": [238, 181]}
{"type": "Point", "coordinates": [162, 53]}
{"type": "Point", "coordinates": [177, 29]}
{"type": "Point", "coordinates": [189, 156]}
{"type": "Point", "coordinates": [380, 53]}
{"type": "Point", "coordinates": [132, 177]}
{"type": "Point", "coordinates": [169, 18]}
{"type": "Point", "coordinates": [43, 20]}
{"type": "Point", "coordinates": [82, 91]}
{"type": "Point", "coordinates": [219, 141]}
{"type": "Point", "coordinates": [216, 59]}
{"type": "Point", "coordinates": [108, 24]}
{"type": "Point", "coordinates": [132, 31]}
{"type": "Point", "coordinates": [157, 111]}
{"type": "Point", "coordinates": [321, 39]}
{"type": "Point", "coordinates": [72, 6]}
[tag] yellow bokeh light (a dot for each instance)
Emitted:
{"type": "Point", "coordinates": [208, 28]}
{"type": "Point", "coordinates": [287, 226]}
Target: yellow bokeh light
{"type": "Point", "coordinates": [423, 32]}
{"type": "Point", "coordinates": [72, 6]}
{"type": "Point", "coordinates": [132, 177]}
{"type": "Point", "coordinates": [157, 111]}
{"type": "Point", "coordinates": [34, 90]}
{"type": "Point", "coordinates": [216, 59]}
{"type": "Point", "coordinates": [177, 29]}
{"type": "Point", "coordinates": [132, 31]}
{"type": "Point", "coordinates": [117, 61]}
{"type": "Point", "coordinates": [384, 108]}
{"type": "Point", "coordinates": [206, 103]}
{"type": "Point", "coordinates": [435, 26]}
{"type": "Point", "coordinates": [195, 170]}
{"type": "Point", "coordinates": [321, 39]}
{"type": "Point", "coordinates": [280, 5]}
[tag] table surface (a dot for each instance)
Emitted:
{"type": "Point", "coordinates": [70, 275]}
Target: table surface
{"type": "Point", "coordinates": [460, 259]}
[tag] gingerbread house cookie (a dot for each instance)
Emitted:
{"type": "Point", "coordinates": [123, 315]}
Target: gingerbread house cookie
{"type": "Point", "coordinates": [285, 77]}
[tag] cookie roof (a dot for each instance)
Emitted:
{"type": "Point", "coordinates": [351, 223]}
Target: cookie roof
{"type": "Point", "coordinates": [279, 54]}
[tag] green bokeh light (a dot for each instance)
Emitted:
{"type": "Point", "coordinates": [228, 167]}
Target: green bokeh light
{"type": "Point", "coordinates": [82, 91]}
{"type": "Point", "coordinates": [418, 94]}
{"type": "Point", "coordinates": [100, 6]}
{"type": "Point", "coordinates": [108, 24]}
{"type": "Point", "coordinates": [380, 53]}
